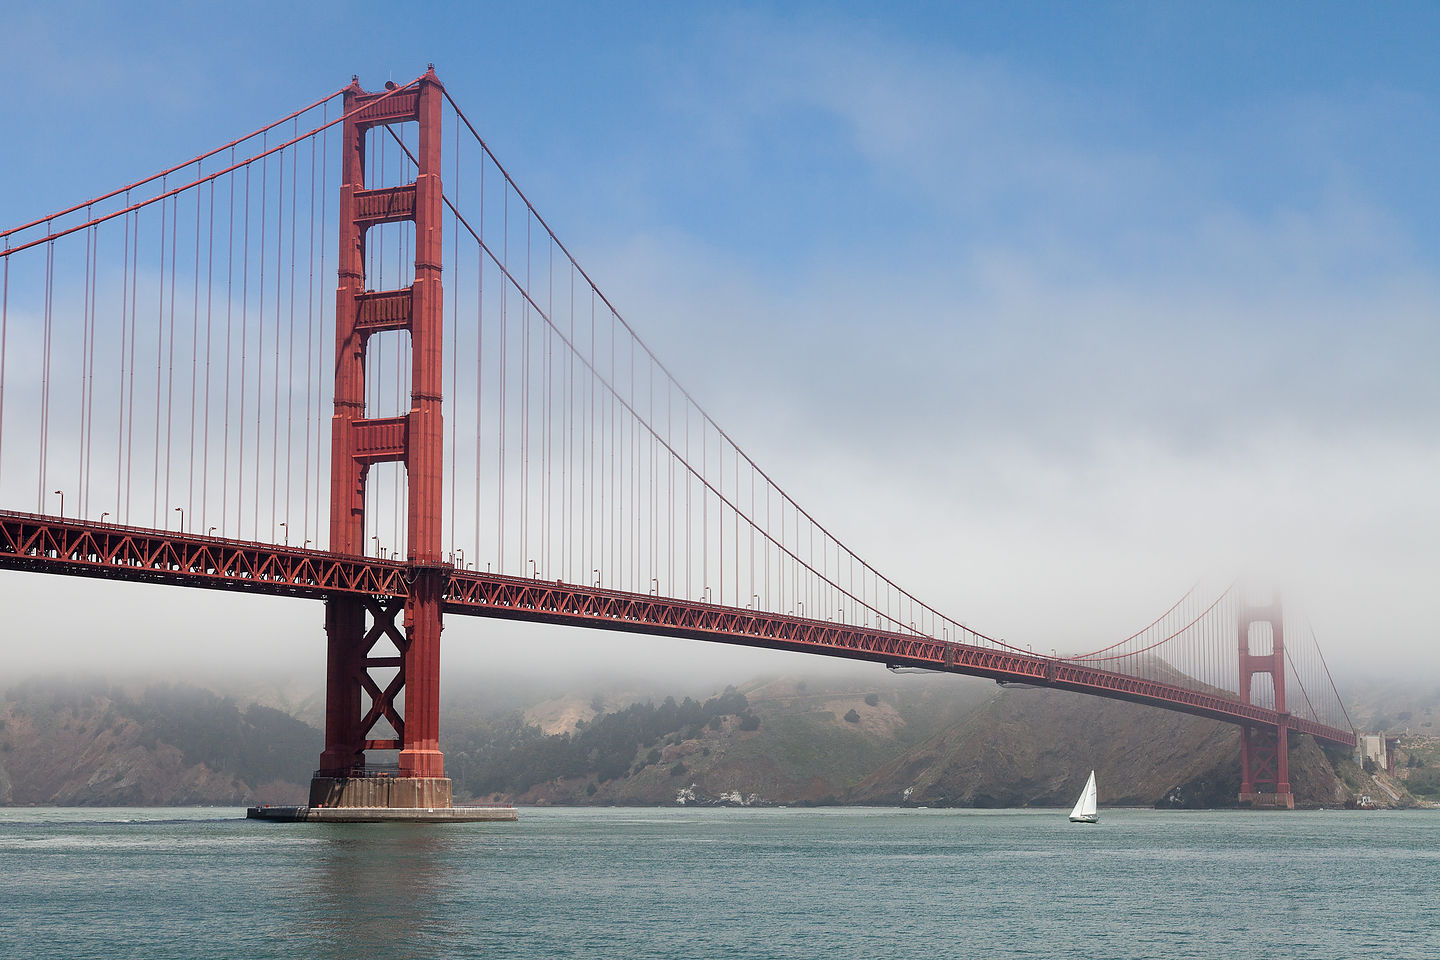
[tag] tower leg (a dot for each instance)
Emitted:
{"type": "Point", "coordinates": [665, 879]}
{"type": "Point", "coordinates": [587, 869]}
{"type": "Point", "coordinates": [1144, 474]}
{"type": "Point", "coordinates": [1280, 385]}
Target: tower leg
{"type": "Point", "coordinates": [345, 663]}
{"type": "Point", "coordinates": [344, 780]}
{"type": "Point", "coordinates": [1247, 766]}
{"type": "Point", "coordinates": [420, 755]}
{"type": "Point", "coordinates": [1263, 763]}
{"type": "Point", "coordinates": [1282, 766]}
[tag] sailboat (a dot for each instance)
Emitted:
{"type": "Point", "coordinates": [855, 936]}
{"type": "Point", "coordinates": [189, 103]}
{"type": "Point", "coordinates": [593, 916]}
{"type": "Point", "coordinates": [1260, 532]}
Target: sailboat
{"type": "Point", "coordinates": [1086, 810]}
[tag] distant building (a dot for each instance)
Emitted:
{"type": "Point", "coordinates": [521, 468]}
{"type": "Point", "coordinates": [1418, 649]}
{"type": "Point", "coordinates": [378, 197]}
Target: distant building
{"type": "Point", "coordinates": [1377, 747]}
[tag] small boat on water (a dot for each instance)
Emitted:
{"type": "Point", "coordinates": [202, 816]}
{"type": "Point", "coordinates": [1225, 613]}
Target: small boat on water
{"type": "Point", "coordinates": [1086, 810]}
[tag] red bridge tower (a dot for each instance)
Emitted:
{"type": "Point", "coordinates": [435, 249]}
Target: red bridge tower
{"type": "Point", "coordinates": [358, 441]}
{"type": "Point", "coordinates": [1264, 760]}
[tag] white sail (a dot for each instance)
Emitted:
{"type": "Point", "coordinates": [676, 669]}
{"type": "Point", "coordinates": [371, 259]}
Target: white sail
{"type": "Point", "coordinates": [1086, 809]}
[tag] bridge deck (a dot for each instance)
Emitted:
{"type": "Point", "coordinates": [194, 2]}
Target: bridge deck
{"type": "Point", "coordinates": [83, 548]}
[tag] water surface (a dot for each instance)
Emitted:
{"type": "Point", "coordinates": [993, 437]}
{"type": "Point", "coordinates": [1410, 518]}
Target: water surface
{"type": "Point", "coordinates": [722, 883]}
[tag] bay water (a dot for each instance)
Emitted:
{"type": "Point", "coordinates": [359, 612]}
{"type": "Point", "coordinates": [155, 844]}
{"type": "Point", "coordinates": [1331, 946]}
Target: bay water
{"type": "Point", "coordinates": [723, 883]}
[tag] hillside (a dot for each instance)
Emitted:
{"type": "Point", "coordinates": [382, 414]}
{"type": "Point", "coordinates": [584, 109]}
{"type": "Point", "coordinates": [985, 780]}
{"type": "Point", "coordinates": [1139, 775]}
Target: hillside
{"type": "Point", "coordinates": [1409, 711]}
{"type": "Point", "coordinates": [874, 739]}
{"type": "Point", "coordinates": [772, 741]}
{"type": "Point", "coordinates": [1034, 747]}
{"type": "Point", "coordinates": [919, 741]}
{"type": "Point", "coordinates": [82, 743]}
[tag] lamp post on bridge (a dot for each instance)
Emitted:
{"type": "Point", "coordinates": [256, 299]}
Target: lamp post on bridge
{"type": "Point", "coordinates": [62, 503]}
{"type": "Point", "coordinates": [181, 511]}
{"type": "Point", "coordinates": [286, 527]}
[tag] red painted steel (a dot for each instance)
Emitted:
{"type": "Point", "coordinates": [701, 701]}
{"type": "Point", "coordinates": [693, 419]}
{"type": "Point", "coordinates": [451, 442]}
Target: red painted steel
{"type": "Point", "coordinates": [519, 598]}
{"type": "Point", "coordinates": [1264, 751]}
{"type": "Point", "coordinates": [416, 439]}
{"type": "Point", "coordinates": [114, 552]}
{"type": "Point", "coordinates": [82, 548]}
{"type": "Point", "coordinates": [390, 310]}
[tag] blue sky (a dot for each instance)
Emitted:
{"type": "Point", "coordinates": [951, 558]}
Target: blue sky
{"type": "Point", "coordinates": [1053, 307]}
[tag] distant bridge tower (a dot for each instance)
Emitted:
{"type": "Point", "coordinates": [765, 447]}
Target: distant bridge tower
{"type": "Point", "coordinates": [358, 442]}
{"type": "Point", "coordinates": [1264, 760]}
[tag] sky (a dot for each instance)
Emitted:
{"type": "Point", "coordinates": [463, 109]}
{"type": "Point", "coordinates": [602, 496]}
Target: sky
{"type": "Point", "coordinates": [1046, 309]}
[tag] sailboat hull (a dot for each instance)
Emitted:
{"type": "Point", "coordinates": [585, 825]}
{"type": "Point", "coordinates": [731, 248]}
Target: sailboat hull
{"type": "Point", "coordinates": [1084, 818]}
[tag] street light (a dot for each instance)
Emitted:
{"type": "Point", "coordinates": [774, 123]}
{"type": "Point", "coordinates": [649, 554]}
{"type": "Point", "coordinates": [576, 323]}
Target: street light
{"type": "Point", "coordinates": [210, 532]}
{"type": "Point", "coordinates": [104, 515]}
{"type": "Point", "coordinates": [533, 572]}
{"type": "Point", "coordinates": [376, 538]}
{"type": "Point", "coordinates": [287, 532]}
{"type": "Point", "coordinates": [461, 554]}
{"type": "Point", "coordinates": [595, 571]}
{"type": "Point", "coordinates": [181, 511]}
{"type": "Point", "coordinates": [62, 503]}
{"type": "Point", "coordinates": [656, 581]}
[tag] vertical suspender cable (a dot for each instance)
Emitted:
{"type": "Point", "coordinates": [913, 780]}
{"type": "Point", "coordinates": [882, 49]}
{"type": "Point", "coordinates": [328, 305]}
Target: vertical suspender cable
{"type": "Point", "coordinates": [525, 408]}
{"type": "Point", "coordinates": [45, 377]}
{"type": "Point", "coordinates": [321, 532]}
{"type": "Point", "coordinates": [195, 518]}
{"type": "Point", "coordinates": [244, 354]}
{"type": "Point", "coordinates": [159, 369]}
{"type": "Point", "coordinates": [130, 382]}
{"type": "Point", "coordinates": [229, 311]}
{"type": "Point", "coordinates": [309, 355]}
{"type": "Point", "coordinates": [545, 432]}
{"type": "Point", "coordinates": [275, 369]}
{"type": "Point", "coordinates": [479, 353]}
{"type": "Point", "coordinates": [90, 269]}
{"type": "Point", "coordinates": [290, 335]}
{"type": "Point", "coordinates": [90, 374]}
{"type": "Point", "coordinates": [124, 340]}
{"type": "Point", "coordinates": [209, 334]}
{"type": "Point", "coordinates": [454, 357]}
{"type": "Point", "coordinates": [170, 351]}
{"type": "Point", "coordinates": [503, 365]}
{"type": "Point", "coordinates": [4, 351]}
{"type": "Point", "coordinates": [260, 340]}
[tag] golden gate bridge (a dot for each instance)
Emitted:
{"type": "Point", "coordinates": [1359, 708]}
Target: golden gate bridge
{"type": "Point", "coordinates": [463, 424]}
